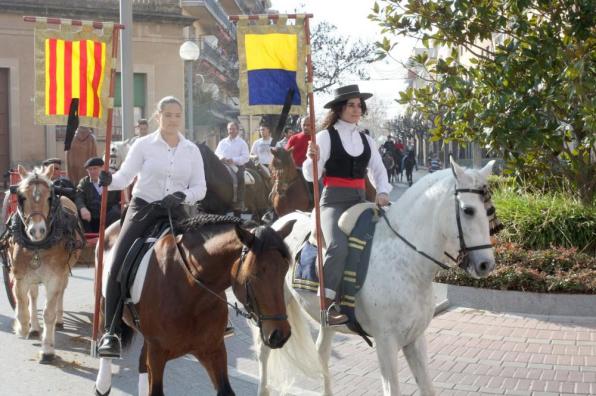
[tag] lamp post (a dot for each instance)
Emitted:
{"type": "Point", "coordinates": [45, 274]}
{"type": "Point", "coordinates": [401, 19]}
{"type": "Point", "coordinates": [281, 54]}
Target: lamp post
{"type": "Point", "coordinates": [189, 52]}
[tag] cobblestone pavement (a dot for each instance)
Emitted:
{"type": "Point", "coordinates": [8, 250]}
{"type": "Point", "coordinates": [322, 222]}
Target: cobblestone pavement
{"type": "Point", "coordinates": [471, 352]}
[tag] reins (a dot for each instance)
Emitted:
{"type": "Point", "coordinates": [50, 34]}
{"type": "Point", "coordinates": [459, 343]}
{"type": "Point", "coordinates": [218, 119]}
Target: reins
{"type": "Point", "coordinates": [185, 266]}
{"type": "Point", "coordinates": [463, 249]}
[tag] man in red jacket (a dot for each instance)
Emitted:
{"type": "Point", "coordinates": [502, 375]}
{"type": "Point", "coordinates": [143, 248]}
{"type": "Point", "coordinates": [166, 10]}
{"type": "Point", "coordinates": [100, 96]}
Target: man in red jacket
{"type": "Point", "coordinates": [299, 142]}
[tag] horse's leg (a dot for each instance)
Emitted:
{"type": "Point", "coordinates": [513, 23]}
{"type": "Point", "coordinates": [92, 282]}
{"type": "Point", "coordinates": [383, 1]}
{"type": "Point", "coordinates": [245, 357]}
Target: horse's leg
{"type": "Point", "coordinates": [143, 376]}
{"type": "Point", "coordinates": [60, 308]}
{"type": "Point", "coordinates": [324, 341]}
{"type": "Point", "coordinates": [35, 329]}
{"type": "Point", "coordinates": [387, 349]}
{"type": "Point", "coordinates": [53, 292]}
{"type": "Point", "coordinates": [21, 289]}
{"type": "Point", "coordinates": [103, 381]}
{"type": "Point", "coordinates": [417, 358]}
{"type": "Point", "coordinates": [216, 364]}
{"type": "Point", "coordinates": [156, 363]}
{"type": "Point", "coordinates": [262, 356]}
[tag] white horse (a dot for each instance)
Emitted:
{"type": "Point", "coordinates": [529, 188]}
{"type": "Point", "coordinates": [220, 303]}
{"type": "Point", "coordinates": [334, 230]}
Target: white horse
{"type": "Point", "coordinates": [442, 214]}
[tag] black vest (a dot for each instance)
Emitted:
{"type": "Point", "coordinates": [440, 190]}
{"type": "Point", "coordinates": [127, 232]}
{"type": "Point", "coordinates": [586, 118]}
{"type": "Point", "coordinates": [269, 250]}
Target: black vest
{"type": "Point", "coordinates": [342, 164]}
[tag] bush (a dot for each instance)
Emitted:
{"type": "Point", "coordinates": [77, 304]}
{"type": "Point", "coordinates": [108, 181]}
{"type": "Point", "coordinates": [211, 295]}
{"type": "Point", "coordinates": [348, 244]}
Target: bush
{"type": "Point", "coordinates": [539, 220]}
{"type": "Point", "coordinates": [554, 270]}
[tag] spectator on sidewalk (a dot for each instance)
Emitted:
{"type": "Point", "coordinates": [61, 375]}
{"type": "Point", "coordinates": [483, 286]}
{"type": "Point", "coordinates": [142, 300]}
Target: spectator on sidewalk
{"type": "Point", "coordinates": [83, 147]}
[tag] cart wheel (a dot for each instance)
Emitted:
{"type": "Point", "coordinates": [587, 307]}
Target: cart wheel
{"type": "Point", "coordinates": [8, 284]}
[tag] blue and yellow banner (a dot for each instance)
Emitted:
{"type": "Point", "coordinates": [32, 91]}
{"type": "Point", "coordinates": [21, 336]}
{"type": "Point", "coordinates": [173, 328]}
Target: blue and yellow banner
{"type": "Point", "coordinates": [272, 60]}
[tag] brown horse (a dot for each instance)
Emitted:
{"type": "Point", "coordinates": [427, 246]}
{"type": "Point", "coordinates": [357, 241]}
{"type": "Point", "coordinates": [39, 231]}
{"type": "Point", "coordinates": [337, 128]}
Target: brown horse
{"type": "Point", "coordinates": [290, 191]}
{"type": "Point", "coordinates": [41, 247]}
{"type": "Point", "coordinates": [182, 307]}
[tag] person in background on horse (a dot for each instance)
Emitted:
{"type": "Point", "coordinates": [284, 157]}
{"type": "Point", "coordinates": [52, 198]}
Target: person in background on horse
{"type": "Point", "coordinates": [169, 168]}
{"type": "Point", "coordinates": [287, 133]}
{"type": "Point", "coordinates": [298, 143]}
{"type": "Point", "coordinates": [261, 148]}
{"type": "Point", "coordinates": [345, 155]}
{"type": "Point", "coordinates": [233, 151]}
{"type": "Point", "coordinates": [62, 186]}
{"type": "Point", "coordinates": [410, 151]}
{"type": "Point", "coordinates": [82, 148]}
{"type": "Point", "coordinates": [141, 130]}
{"type": "Point", "coordinates": [88, 198]}
{"type": "Point", "coordinates": [399, 146]}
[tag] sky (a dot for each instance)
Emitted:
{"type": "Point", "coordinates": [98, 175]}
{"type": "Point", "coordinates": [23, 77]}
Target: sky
{"type": "Point", "coordinates": [387, 77]}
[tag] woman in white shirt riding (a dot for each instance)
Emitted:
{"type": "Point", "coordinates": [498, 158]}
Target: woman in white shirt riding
{"type": "Point", "coordinates": [346, 155]}
{"type": "Point", "coordinates": [169, 168]}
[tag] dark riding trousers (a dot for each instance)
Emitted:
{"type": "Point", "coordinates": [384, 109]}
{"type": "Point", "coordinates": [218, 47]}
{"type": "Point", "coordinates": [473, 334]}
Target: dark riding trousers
{"type": "Point", "coordinates": [130, 231]}
{"type": "Point", "coordinates": [343, 168]}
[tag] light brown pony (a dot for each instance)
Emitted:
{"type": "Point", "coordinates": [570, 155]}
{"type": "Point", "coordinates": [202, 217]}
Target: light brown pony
{"type": "Point", "coordinates": [41, 249]}
{"type": "Point", "coordinates": [182, 307]}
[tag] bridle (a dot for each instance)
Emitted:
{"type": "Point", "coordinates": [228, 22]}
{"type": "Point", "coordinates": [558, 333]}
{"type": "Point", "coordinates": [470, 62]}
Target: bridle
{"type": "Point", "coordinates": [462, 258]}
{"type": "Point", "coordinates": [49, 219]}
{"type": "Point", "coordinates": [251, 304]}
{"type": "Point", "coordinates": [281, 186]}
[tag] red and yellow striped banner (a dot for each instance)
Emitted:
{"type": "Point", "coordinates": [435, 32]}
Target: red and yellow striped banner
{"type": "Point", "coordinates": [74, 69]}
{"type": "Point", "coordinates": [72, 62]}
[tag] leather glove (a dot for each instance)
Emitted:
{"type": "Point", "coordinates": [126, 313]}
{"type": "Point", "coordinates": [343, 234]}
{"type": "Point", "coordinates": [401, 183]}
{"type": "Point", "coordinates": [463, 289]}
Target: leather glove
{"type": "Point", "coordinates": [172, 200]}
{"type": "Point", "coordinates": [105, 178]}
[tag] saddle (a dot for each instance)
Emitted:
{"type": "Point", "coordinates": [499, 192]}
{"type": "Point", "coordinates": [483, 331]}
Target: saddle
{"type": "Point", "coordinates": [248, 177]}
{"type": "Point", "coordinates": [134, 268]}
{"type": "Point", "coordinates": [358, 223]}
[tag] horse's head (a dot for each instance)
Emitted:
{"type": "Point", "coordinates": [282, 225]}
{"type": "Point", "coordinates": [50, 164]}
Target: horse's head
{"type": "Point", "coordinates": [35, 198]}
{"type": "Point", "coordinates": [476, 254]}
{"type": "Point", "coordinates": [118, 152]}
{"type": "Point", "coordinates": [259, 281]}
{"type": "Point", "coordinates": [282, 159]}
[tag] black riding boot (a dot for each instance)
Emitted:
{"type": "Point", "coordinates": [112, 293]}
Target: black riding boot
{"type": "Point", "coordinates": [110, 345]}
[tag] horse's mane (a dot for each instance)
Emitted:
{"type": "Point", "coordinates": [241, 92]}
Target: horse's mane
{"type": "Point", "coordinates": [197, 222]}
{"type": "Point", "coordinates": [37, 172]}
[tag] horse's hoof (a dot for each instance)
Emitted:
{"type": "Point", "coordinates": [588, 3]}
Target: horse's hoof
{"type": "Point", "coordinates": [33, 335]}
{"type": "Point", "coordinates": [47, 358]}
{"type": "Point", "coordinates": [98, 393]}
{"type": "Point", "coordinates": [59, 326]}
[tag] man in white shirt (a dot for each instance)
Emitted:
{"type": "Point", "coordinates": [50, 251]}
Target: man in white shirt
{"type": "Point", "coordinates": [233, 150]}
{"type": "Point", "coordinates": [261, 148]}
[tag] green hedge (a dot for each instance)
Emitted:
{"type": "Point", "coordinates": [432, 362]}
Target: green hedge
{"type": "Point", "coordinates": [554, 270]}
{"type": "Point", "coordinates": [538, 220]}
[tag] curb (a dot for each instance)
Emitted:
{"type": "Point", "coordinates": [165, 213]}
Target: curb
{"type": "Point", "coordinates": [517, 302]}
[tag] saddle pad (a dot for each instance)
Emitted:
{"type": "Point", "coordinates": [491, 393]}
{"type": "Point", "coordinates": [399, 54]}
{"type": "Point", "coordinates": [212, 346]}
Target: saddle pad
{"type": "Point", "coordinates": [139, 281]}
{"type": "Point", "coordinates": [248, 178]}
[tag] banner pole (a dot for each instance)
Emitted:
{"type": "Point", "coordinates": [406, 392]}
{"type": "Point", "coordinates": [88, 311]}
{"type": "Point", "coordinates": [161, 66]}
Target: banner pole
{"type": "Point", "coordinates": [104, 202]}
{"type": "Point", "coordinates": [315, 172]}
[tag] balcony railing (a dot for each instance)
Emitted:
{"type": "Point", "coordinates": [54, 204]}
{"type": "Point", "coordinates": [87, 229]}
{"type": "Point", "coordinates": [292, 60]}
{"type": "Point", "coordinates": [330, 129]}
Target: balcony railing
{"type": "Point", "coordinates": [215, 56]}
{"type": "Point", "coordinates": [215, 10]}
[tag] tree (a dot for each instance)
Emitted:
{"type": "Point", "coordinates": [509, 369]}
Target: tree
{"type": "Point", "coordinates": [529, 97]}
{"type": "Point", "coordinates": [376, 118]}
{"type": "Point", "coordinates": [335, 57]}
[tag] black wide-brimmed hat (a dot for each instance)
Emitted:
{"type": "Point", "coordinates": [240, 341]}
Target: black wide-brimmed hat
{"type": "Point", "coordinates": [94, 161]}
{"type": "Point", "coordinates": [345, 93]}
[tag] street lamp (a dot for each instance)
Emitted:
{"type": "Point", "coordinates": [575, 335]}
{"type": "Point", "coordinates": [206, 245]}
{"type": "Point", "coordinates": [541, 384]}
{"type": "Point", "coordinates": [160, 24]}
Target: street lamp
{"type": "Point", "coordinates": [189, 52]}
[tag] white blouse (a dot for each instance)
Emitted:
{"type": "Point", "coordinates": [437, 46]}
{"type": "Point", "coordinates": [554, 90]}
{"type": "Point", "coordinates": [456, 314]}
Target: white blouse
{"type": "Point", "coordinates": [352, 142]}
{"type": "Point", "coordinates": [162, 169]}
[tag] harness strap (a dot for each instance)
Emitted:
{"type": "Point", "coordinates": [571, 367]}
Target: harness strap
{"type": "Point", "coordinates": [185, 266]}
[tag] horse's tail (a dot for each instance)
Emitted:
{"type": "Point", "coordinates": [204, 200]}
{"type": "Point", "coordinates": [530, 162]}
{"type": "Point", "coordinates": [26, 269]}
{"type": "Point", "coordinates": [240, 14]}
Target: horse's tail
{"type": "Point", "coordinates": [298, 353]}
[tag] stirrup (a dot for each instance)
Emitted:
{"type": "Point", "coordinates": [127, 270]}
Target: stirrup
{"type": "Point", "coordinates": [334, 307]}
{"type": "Point", "coordinates": [114, 351]}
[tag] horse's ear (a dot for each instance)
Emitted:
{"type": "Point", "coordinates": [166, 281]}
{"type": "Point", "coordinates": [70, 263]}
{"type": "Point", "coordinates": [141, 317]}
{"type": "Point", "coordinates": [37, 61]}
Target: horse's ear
{"type": "Point", "coordinates": [458, 171]}
{"type": "Point", "coordinates": [487, 170]}
{"type": "Point", "coordinates": [286, 229]}
{"type": "Point", "coordinates": [49, 171]}
{"type": "Point", "coordinates": [246, 237]}
{"type": "Point", "coordinates": [290, 149]}
{"type": "Point", "coordinates": [22, 171]}
{"type": "Point", "coordinates": [274, 151]}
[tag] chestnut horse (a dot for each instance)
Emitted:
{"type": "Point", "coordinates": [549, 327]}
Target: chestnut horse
{"type": "Point", "coordinates": [42, 245]}
{"type": "Point", "coordinates": [290, 191]}
{"type": "Point", "coordinates": [182, 308]}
